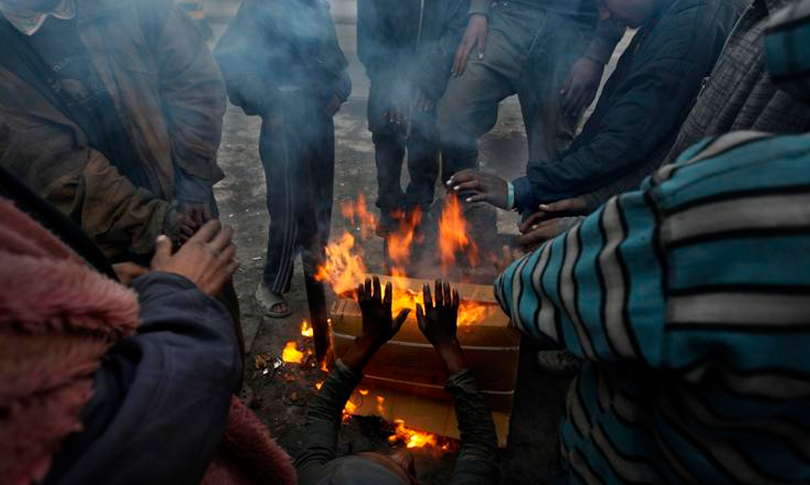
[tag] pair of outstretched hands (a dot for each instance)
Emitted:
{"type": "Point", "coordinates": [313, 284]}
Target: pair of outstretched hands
{"type": "Point", "coordinates": [437, 322]}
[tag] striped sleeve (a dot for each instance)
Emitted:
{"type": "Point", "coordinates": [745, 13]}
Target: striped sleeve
{"type": "Point", "coordinates": [598, 288]}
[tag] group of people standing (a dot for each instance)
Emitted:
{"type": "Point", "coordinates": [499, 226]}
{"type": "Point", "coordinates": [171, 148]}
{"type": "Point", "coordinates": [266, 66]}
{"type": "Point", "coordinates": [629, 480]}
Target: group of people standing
{"type": "Point", "coordinates": [664, 247]}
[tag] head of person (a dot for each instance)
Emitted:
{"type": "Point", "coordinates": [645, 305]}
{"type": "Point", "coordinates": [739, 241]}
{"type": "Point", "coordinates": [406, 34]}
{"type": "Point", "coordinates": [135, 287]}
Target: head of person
{"type": "Point", "coordinates": [787, 57]}
{"type": "Point", "coordinates": [631, 13]}
{"type": "Point", "coordinates": [372, 469]}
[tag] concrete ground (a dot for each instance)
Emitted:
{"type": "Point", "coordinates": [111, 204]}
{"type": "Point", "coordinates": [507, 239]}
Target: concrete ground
{"type": "Point", "coordinates": [281, 394]}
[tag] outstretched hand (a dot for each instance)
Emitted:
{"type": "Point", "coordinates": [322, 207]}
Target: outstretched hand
{"type": "Point", "coordinates": [480, 187]}
{"type": "Point", "coordinates": [474, 36]}
{"type": "Point", "coordinates": [378, 324]}
{"type": "Point", "coordinates": [438, 322]}
{"type": "Point", "coordinates": [208, 259]}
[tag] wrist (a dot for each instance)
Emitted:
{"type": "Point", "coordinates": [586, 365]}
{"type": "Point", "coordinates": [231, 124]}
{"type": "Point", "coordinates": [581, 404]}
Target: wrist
{"type": "Point", "coordinates": [452, 356]}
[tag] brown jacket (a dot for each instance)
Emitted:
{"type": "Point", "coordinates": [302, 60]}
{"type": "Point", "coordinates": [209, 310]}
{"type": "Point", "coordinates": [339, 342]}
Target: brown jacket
{"type": "Point", "coordinates": [170, 97]}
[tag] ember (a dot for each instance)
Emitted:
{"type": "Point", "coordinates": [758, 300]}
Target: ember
{"type": "Point", "coordinates": [291, 354]}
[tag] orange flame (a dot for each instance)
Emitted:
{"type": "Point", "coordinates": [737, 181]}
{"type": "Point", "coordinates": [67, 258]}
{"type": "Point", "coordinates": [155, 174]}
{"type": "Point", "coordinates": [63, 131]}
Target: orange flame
{"type": "Point", "coordinates": [400, 242]}
{"type": "Point", "coordinates": [343, 269]}
{"type": "Point", "coordinates": [291, 354]}
{"type": "Point", "coordinates": [358, 213]}
{"type": "Point", "coordinates": [306, 329]}
{"type": "Point", "coordinates": [319, 385]}
{"type": "Point", "coordinates": [412, 437]}
{"type": "Point", "coordinates": [453, 237]}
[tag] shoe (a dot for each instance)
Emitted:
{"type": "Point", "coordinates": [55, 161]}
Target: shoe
{"type": "Point", "coordinates": [273, 305]}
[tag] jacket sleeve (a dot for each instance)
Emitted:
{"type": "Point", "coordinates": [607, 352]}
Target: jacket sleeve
{"type": "Point", "coordinates": [476, 463]}
{"type": "Point", "coordinates": [642, 112]}
{"type": "Point", "coordinates": [597, 289]}
{"type": "Point", "coordinates": [436, 58]}
{"type": "Point", "coordinates": [324, 415]}
{"type": "Point", "coordinates": [161, 398]}
{"type": "Point", "coordinates": [191, 88]}
{"type": "Point", "coordinates": [81, 183]}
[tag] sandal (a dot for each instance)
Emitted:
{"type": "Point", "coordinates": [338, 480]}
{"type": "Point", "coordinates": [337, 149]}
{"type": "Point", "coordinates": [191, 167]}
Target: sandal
{"type": "Point", "coordinates": [272, 304]}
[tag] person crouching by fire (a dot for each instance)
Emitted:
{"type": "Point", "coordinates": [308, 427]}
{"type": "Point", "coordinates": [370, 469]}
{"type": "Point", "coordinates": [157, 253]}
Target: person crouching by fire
{"type": "Point", "coordinates": [281, 61]}
{"type": "Point", "coordinates": [318, 464]}
{"type": "Point", "coordinates": [407, 49]}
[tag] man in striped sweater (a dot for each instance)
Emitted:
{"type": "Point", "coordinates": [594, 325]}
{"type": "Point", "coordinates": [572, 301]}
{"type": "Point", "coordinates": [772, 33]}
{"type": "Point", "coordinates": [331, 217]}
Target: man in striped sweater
{"type": "Point", "coordinates": [688, 301]}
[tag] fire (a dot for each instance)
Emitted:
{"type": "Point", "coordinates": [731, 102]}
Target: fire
{"type": "Point", "coordinates": [453, 237]}
{"type": "Point", "coordinates": [306, 329]}
{"type": "Point", "coordinates": [344, 269]}
{"type": "Point", "coordinates": [319, 385]}
{"type": "Point", "coordinates": [358, 213]}
{"type": "Point", "coordinates": [363, 392]}
{"type": "Point", "coordinates": [411, 437]}
{"type": "Point", "coordinates": [291, 354]}
{"type": "Point", "coordinates": [400, 242]}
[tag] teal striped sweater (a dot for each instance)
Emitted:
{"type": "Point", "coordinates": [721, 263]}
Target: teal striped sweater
{"type": "Point", "coordinates": [689, 301]}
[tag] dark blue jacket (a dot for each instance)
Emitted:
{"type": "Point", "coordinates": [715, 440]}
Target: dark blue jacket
{"type": "Point", "coordinates": [642, 105]}
{"type": "Point", "coordinates": [161, 397]}
{"type": "Point", "coordinates": [273, 44]}
{"type": "Point", "coordinates": [387, 35]}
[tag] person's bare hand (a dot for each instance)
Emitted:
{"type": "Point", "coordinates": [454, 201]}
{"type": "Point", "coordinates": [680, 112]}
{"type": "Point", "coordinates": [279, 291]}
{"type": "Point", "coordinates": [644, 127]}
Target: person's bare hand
{"type": "Point", "coordinates": [438, 319]}
{"type": "Point", "coordinates": [128, 271]}
{"type": "Point", "coordinates": [538, 234]}
{"type": "Point", "coordinates": [480, 187]}
{"type": "Point", "coordinates": [575, 206]}
{"type": "Point", "coordinates": [208, 259]}
{"type": "Point", "coordinates": [508, 256]}
{"type": "Point", "coordinates": [333, 106]}
{"type": "Point", "coordinates": [474, 36]}
{"type": "Point", "coordinates": [397, 116]}
{"type": "Point", "coordinates": [422, 102]}
{"type": "Point", "coordinates": [580, 86]}
{"type": "Point", "coordinates": [191, 219]}
{"type": "Point", "coordinates": [378, 325]}
{"type": "Point", "coordinates": [438, 322]}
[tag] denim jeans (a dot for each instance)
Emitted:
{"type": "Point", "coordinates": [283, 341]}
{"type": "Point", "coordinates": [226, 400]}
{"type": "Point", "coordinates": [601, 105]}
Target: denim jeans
{"type": "Point", "coordinates": [529, 52]}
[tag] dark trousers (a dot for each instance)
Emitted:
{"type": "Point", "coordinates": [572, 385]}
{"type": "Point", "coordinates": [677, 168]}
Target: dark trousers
{"type": "Point", "coordinates": [390, 147]}
{"type": "Point", "coordinates": [297, 149]}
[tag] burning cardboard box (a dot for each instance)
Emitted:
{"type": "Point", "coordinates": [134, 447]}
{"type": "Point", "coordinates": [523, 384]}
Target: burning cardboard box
{"type": "Point", "coordinates": [409, 375]}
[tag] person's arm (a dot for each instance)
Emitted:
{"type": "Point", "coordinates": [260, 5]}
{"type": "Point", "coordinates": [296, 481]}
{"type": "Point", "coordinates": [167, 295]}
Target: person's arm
{"type": "Point", "coordinates": [191, 88]}
{"type": "Point", "coordinates": [598, 288]}
{"type": "Point", "coordinates": [645, 109]}
{"type": "Point", "coordinates": [166, 391]}
{"type": "Point", "coordinates": [477, 459]}
{"type": "Point", "coordinates": [325, 411]}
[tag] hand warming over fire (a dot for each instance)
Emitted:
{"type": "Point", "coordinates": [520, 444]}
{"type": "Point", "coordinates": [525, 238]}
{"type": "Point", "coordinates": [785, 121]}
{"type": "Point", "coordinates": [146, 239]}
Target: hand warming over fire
{"type": "Point", "coordinates": [378, 325]}
{"type": "Point", "coordinates": [480, 187]}
{"type": "Point", "coordinates": [439, 324]}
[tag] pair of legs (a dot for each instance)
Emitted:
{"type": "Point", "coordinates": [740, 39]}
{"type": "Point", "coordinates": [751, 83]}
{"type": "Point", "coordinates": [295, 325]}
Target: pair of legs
{"type": "Point", "coordinates": [297, 149]}
{"type": "Point", "coordinates": [390, 148]}
{"type": "Point", "coordinates": [529, 52]}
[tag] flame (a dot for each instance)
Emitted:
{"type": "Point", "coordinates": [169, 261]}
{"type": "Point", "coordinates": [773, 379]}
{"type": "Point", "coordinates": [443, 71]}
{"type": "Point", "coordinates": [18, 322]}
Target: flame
{"type": "Point", "coordinates": [343, 269]}
{"type": "Point", "coordinates": [319, 385]}
{"type": "Point", "coordinates": [453, 237]}
{"type": "Point", "coordinates": [400, 242]}
{"type": "Point", "coordinates": [380, 406]}
{"type": "Point", "coordinates": [358, 213]}
{"type": "Point", "coordinates": [363, 392]}
{"type": "Point", "coordinates": [306, 329]}
{"type": "Point", "coordinates": [291, 354]}
{"type": "Point", "coordinates": [412, 437]}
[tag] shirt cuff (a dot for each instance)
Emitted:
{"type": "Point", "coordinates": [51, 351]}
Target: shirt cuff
{"type": "Point", "coordinates": [480, 7]}
{"type": "Point", "coordinates": [523, 195]}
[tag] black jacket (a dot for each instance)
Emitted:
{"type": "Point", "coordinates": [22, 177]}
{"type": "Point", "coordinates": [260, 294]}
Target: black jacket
{"type": "Point", "coordinates": [642, 105]}
{"type": "Point", "coordinates": [280, 44]}
{"type": "Point", "coordinates": [390, 47]}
